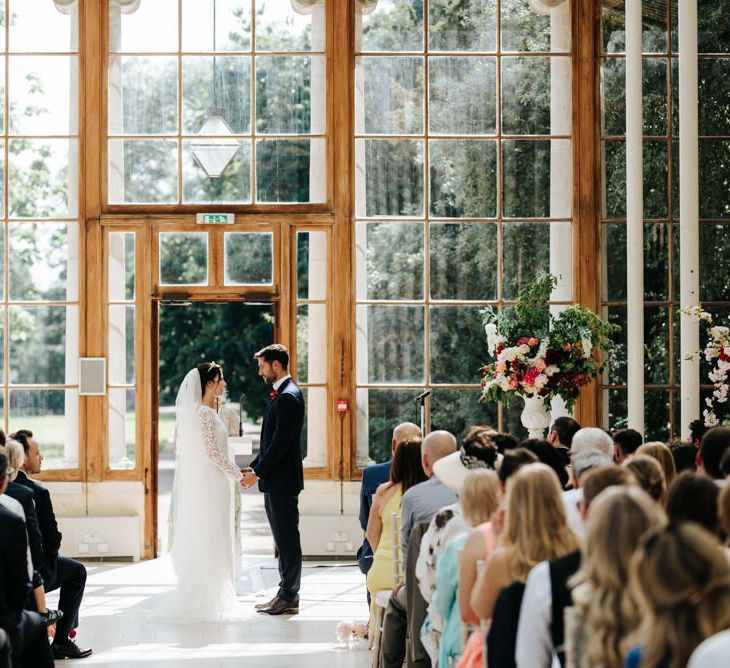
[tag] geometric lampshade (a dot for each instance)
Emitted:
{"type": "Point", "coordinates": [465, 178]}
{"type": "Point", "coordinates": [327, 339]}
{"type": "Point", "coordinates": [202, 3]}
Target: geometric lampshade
{"type": "Point", "coordinates": [213, 155]}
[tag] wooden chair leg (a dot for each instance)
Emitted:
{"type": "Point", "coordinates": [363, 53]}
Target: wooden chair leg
{"type": "Point", "coordinates": [378, 634]}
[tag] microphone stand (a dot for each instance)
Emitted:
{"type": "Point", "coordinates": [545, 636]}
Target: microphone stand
{"type": "Point", "coordinates": [421, 402]}
{"type": "Point", "coordinates": [240, 415]}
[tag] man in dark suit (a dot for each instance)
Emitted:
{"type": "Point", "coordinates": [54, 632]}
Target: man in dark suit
{"type": "Point", "coordinates": [26, 630]}
{"type": "Point", "coordinates": [58, 572]}
{"type": "Point", "coordinates": [374, 476]}
{"type": "Point", "coordinates": [278, 470]}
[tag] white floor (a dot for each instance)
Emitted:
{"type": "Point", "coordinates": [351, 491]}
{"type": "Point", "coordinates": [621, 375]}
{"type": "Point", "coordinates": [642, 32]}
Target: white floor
{"type": "Point", "coordinates": [114, 624]}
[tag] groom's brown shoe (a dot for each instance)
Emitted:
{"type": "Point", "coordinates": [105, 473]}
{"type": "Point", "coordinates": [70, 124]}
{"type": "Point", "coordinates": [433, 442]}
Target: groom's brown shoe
{"type": "Point", "coordinates": [268, 604]}
{"type": "Point", "coordinates": [280, 607]}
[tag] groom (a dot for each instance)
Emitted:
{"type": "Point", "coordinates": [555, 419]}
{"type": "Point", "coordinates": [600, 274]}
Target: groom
{"type": "Point", "coordinates": [278, 470]}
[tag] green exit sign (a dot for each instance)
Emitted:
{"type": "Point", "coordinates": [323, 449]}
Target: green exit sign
{"type": "Point", "coordinates": [215, 218]}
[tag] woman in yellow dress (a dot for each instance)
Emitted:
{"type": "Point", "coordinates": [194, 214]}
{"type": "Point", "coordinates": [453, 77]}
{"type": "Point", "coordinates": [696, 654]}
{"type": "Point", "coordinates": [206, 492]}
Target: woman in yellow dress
{"type": "Point", "coordinates": [405, 472]}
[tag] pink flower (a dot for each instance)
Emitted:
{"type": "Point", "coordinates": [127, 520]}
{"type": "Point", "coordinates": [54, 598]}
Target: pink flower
{"type": "Point", "coordinates": [501, 367]}
{"type": "Point", "coordinates": [540, 365]}
{"type": "Point", "coordinates": [530, 376]}
{"type": "Point", "coordinates": [514, 383]}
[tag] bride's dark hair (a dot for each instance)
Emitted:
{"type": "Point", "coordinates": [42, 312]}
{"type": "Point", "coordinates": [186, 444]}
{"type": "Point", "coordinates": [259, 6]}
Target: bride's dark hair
{"type": "Point", "coordinates": [209, 371]}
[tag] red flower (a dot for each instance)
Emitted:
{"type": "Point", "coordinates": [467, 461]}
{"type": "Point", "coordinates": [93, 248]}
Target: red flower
{"type": "Point", "coordinates": [274, 394]}
{"type": "Point", "coordinates": [522, 341]}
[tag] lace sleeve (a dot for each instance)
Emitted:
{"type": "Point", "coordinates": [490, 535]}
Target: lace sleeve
{"type": "Point", "coordinates": [212, 449]}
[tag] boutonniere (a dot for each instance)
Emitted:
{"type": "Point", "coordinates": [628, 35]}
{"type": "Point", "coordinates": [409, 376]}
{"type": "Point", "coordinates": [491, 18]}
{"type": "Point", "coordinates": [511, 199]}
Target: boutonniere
{"type": "Point", "coordinates": [274, 394]}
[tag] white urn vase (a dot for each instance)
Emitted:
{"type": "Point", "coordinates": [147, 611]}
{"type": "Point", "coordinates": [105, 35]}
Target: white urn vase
{"type": "Point", "coordinates": [535, 416]}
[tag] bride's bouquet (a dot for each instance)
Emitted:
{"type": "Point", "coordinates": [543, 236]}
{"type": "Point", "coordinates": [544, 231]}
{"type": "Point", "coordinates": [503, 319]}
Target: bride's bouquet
{"type": "Point", "coordinates": [538, 354]}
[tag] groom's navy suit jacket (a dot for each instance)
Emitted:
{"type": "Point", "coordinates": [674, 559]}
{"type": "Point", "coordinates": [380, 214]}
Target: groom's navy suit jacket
{"type": "Point", "coordinates": [279, 462]}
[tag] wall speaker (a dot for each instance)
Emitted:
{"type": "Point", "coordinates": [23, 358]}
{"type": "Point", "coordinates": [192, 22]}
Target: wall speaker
{"type": "Point", "coordinates": [92, 376]}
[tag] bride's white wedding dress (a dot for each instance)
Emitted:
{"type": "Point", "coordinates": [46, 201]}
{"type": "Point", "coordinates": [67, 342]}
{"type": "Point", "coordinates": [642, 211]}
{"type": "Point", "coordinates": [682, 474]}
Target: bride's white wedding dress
{"type": "Point", "coordinates": [203, 512]}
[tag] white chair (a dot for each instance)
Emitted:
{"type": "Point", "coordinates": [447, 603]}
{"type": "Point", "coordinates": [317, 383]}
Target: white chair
{"type": "Point", "coordinates": [382, 597]}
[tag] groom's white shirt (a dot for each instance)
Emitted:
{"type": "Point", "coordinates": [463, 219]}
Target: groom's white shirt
{"type": "Point", "coordinates": [278, 383]}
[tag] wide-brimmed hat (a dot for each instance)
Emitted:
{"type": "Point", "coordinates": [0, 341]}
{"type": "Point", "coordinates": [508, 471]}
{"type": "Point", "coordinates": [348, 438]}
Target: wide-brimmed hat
{"type": "Point", "coordinates": [453, 469]}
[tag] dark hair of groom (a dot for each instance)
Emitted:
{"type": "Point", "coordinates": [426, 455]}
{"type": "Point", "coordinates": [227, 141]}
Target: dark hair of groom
{"type": "Point", "coordinates": [274, 353]}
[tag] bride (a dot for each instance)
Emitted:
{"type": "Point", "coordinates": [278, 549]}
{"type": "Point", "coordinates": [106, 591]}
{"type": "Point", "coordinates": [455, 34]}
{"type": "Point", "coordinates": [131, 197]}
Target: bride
{"type": "Point", "coordinates": [203, 503]}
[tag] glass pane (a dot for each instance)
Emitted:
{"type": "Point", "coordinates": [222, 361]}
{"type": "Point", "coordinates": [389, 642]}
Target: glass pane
{"type": "Point", "coordinates": [714, 96]}
{"type": "Point", "coordinates": [121, 344]}
{"type": "Point", "coordinates": [455, 355]}
{"type": "Point", "coordinates": [291, 170]}
{"type": "Point", "coordinates": [151, 27]}
{"type": "Point", "coordinates": [459, 409]}
{"type": "Point", "coordinates": [714, 191]}
{"type": "Point", "coordinates": [44, 345]}
{"type": "Point", "coordinates": [2, 361]}
{"type": "Point", "coordinates": [462, 95]}
{"type": "Point", "coordinates": [315, 427]}
{"type": "Point", "coordinates": [2, 179]}
{"type": "Point", "coordinates": [312, 265]}
{"type": "Point", "coordinates": [122, 429]}
{"type": "Point", "coordinates": [224, 25]}
{"type": "Point", "coordinates": [284, 94]}
{"type": "Point", "coordinates": [391, 101]}
{"type": "Point", "coordinates": [122, 268]}
{"type": "Point", "coordinates": [528, 169]}
{"type": "Point", "coordinates": [471, 27]}
{"type": "Point", "coordinates": [713, 28]}
{"type": "Point", "coordinates": [656, 175]}
{"type": "Point", "coordinates": [526, 95]}
{"type": "Point", "coordinates": [616, 367]}
{"type": "Point", "coordinates": [656, 262]}
{"type": "Point", "coordinates": [525, 254]}
{"type": "Point", "coordinates": [43, 25]}
{"type": "Point", "coordinates": [393, 177]}
{"type": "Point", "coordinates": [656, 411]}
{"type": "Point", "coordinates": [43, 178]}
{"type": "Point", "coordinates": [183, 258]}
{"type": "Point", "coordinates": [40, 95]}
{"type": "Point", "coordinates": [616, 405]}
{"type": "Point", "coordinates": [654, 23]}
{"type": "Point", "coordinates": [312, 343]}
{"type": "Point", "coordinates": [142, 95]}
{"type": "Point", "coordinates": [249, 258]}
{"type": "Point", "coordinates": [523, 29]}
{"type": "Point", "coordinates": [290, 26]}
{"type": "Point", "coordinates": [378, 412]}
{"type": "Point", "coordinates": [2, 78]}
{"type": "Point", "coordinates": [654, 86]}
{"type": "Point", "coordinates": [389, 260]}
{"type": "Point", "coordinates": [714, 262]}
{"type": "Point", "coordinates": [142, 171]}
{"type": "Point", "coordinates": [390, 344]}
{"type": "Point", "coordinates": [463, 178]}
{"type": "Point", "coordinates": [217, 86]}
{"type": "Point", "coordinates": [463, 261]}
{"type": "Point", "coordinates": [52, 416]}
{"type": "Point", "coordinates": [656, 345]}
{"type": "Point", "coordinates": [232, 184]}
{"type": "Point", "coordinates": [43, 259]}
{"type": "Point", "coordinates": [392, 25]}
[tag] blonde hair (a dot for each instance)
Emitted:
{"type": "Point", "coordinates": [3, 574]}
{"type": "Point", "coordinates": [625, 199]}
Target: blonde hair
{"type": "Point", "coordinates": [479, 496]}
{"type": "Point", "coordinates": [682, 579]}
{"type": "Point", "coordinates": [536, 528]}
{"type": "Point", "coordinates": [16, 456]}
{"type": "Point", "coordinates": [663, 455]}
{"type": "Point", "coordinates": [618, 519]}
{"type": "Point", "coordinates": [649, 474]}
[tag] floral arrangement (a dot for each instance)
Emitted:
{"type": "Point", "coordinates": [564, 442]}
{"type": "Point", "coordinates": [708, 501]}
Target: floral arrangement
{"type": "Point", "coordinates": [717, 354]}
{"type": "Point", "coordinates": [539, 354]}
{"type": "Point", "coordinates": [351, 634]}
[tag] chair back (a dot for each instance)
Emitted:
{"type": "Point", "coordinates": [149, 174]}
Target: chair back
{"type": "Point", "coordinates": [395, 546]}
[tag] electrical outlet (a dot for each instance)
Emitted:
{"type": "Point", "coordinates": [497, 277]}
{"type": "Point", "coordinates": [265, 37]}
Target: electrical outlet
{"type": "Point", "coordinates": [102, 548]}
{"type": "Point", "coordinates": [330, 546]}
{"type": "Point", "coordinates": [349, 547]}
{"type": "Point", "coordinates": [83, 548]}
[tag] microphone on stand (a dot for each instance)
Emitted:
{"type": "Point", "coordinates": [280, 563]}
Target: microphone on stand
{"type": "Point", "coordinates": [240, 415]}
{"type": "Point", "coordinates": [421, 402]}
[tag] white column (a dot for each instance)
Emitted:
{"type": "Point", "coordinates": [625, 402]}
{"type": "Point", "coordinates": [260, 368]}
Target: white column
{"type": "Point", "coordinates": [634, 218]}
{"type": "Point", "coordinates": [689, 244]}
{"type": "Point", "coordinates": [362, 396]}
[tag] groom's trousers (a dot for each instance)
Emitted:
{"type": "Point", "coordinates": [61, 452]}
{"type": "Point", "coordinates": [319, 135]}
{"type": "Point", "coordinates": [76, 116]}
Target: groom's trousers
{"type": "Point", "coordinates": [283, 513]}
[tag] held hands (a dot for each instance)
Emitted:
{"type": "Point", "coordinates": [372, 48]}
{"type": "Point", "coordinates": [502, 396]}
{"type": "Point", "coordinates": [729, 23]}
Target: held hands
{"type": "Point", "coordinates": [249, 478]}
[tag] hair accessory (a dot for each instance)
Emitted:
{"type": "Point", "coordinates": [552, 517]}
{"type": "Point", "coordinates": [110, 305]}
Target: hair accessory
{"type": "Point", "coordinates": [471, 462]}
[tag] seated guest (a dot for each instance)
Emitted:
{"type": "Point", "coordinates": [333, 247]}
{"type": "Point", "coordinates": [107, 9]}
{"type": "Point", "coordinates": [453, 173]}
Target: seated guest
{"type": "Point", "coordinates": [583, 462]}
{"type": "Point", "coordinates": [591, 438]}
{"type": "Point", "coordinates": [625, 443]}
{"type": "Point", "coordinates": [663, 455]}
{"type": "Point", "coordinates": [682, 582]}
{"type": "Point", "coordinates": [374, 476]}
{"type": "Point", "coordinates": [535, 530]}
{"type": "Point", "coordinates": [540, 632]}
{"type": "Point", "coordinates": [503, 441]}
{"type": "Point", "coordinates": [548, 455]}
{"type": "Point", "coordinates": [693, 497]}
{"type": "Point", "coordinates": [478, 497]}
{"type": "Point", "coordinates": [685, 456]}
{"type": "Point", "coordinates": [697, 430]}
{"type": "Point", "coordinates": [723, 511]}
{"type": "Point", "coordinates": [26, 630]}
{"type": "Point", "coordinates": [420, 503]}
{"type": "Point", "coordinates": [58, 572]}
{"type": "Point", "coordinates": [650, 476]}
{"type": "Point", "coordinates": [405, 472]}
{"type": "Point", "coordinates": [725, 464]}
{"type": "Point", "coordinates": [605, 612]}
{"type": "Point", "coordinates": [713, 446]}
{"type": "Point", "coordinates": [561, 436]}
